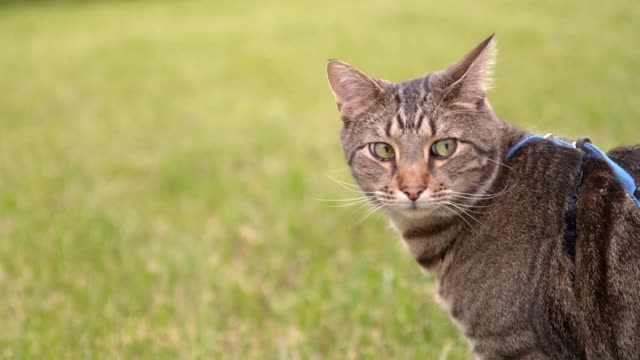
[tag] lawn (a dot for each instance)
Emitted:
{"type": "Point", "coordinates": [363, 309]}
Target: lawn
{"type": "Point", "coordinates": [161, 165]}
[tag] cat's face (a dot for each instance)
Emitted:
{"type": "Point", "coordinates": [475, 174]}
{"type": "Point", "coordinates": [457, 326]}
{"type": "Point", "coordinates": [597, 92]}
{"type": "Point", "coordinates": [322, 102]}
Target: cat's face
{"type": "Point", "coordinates": [425, 147]}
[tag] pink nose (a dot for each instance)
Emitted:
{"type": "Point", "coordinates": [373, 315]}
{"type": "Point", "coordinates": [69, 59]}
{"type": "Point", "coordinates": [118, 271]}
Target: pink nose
{"type": "Point", "coordinates": [413, 192]}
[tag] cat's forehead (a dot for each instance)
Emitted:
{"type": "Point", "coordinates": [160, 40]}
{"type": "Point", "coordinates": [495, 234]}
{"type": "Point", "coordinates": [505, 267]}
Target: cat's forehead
{"type": "Point", "coordinates": [412, 91]}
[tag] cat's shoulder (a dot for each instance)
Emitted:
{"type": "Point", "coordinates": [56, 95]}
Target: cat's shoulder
{"type": "Point", "coordinates": [627, 156]}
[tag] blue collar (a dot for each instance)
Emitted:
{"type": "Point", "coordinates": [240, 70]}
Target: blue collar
{"type": "Point", "coordinates": [584, 144]}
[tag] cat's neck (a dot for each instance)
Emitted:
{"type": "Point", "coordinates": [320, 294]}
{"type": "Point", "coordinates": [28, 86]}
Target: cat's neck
{"type": "Point", "coordinates": [428, 237]}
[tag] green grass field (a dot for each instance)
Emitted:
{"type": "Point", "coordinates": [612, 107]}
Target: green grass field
{"type": "Point", "coordinates": [160, 165]}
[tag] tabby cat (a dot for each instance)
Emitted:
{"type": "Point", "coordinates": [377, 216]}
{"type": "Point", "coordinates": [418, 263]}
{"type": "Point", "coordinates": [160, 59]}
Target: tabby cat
{"type": "Point", "coordinates": [432, 153]}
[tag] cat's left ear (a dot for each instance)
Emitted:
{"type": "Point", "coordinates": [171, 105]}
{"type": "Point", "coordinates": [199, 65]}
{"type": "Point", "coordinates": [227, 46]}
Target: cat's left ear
{"type": "Point", "coordinates": [355, 91]}
{"type": "Point", "coordinates": [466, 82]}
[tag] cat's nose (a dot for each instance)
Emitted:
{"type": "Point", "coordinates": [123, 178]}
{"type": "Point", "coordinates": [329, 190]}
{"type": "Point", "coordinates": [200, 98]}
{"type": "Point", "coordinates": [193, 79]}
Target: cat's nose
{"type": "Point", "coordinates": [413, 192]}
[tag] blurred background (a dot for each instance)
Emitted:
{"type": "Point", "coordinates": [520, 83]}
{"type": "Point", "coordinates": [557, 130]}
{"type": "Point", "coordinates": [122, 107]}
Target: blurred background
{"type": "Point", "coordinates": [161, 164]}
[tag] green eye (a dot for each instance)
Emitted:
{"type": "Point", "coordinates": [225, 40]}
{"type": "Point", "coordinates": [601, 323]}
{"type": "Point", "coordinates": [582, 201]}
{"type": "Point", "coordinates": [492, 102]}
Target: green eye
{"type": "Point", "coordinates": [444, 148]}
{"type": "Point", "coordinates": [381, 151]}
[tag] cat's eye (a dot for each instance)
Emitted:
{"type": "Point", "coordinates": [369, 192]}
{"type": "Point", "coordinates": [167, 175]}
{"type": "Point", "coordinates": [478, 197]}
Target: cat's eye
{"type": "Point", "coordinates": [444, 148]}
{"type": "Point", "coordinates": [381, 151]}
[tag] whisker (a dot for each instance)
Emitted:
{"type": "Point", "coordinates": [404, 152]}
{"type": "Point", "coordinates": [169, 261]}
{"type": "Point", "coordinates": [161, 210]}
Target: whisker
{"type": "Point", "coordinates": [370, 212]}
{"type": "Point", "coordinates": [444, 206]}
{"type": "Point", "coordinates": [465, 211]}
{"type": "Point", "coordinates": [462, 214]}
{"type": "Point", "coordinates": [484, 182]}
{"type": "Point", "coordinates": [361, 202]}
{"type": "Point", "coordinates": [475, 206]}
{"type": "Point", "coordinates": [449, 211]}
{"type": "Point", "coordinates": [356, 191]}
{"type": "Point", "coordinates": [343, 182]}
{"type": "Point", "coordinates": [500, 163]}
{"type": "Point", "coordinates": [367, 197]}
{"type": "Point", "coordinates": [463, 193]}
{"type": "Point", "coordinates": [479, 196]}
{"type": "Point", "coordinates": [463, 208]}
{"type": "Point", "coordinates": [474, 197]}
{"type": "Point", "coordinates": [345, 185]}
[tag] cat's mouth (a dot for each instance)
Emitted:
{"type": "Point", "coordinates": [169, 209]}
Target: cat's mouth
{"type": "Point", "coordinates": [415, 209]}
{"type": "Point", "coordinates": [422, 207]}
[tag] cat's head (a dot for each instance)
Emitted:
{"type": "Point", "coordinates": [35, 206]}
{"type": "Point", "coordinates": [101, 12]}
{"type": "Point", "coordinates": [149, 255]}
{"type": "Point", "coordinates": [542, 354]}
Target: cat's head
{"type": "Point", "coordinates": [421, 147]}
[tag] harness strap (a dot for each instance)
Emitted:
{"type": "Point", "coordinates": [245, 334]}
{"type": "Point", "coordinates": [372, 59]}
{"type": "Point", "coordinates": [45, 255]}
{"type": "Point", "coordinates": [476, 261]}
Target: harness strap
{"type": "Point", "coordinates": [570, 230]}
{"type": "Point", "coordinates": [627, 181]}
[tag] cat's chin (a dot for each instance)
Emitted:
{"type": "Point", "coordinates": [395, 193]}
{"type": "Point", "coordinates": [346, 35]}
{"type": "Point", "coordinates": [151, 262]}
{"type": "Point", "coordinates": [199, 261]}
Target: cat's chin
{"type": "Point", "coordinates": [414, 212]}
{"type": "Point", "coordinates": [409, 217]}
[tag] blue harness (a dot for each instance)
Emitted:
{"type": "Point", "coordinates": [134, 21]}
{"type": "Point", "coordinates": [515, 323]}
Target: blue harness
{"type": "Point", "coordinates": [584, 144]}
{"type": "Point", "coordinates": [591, 150]}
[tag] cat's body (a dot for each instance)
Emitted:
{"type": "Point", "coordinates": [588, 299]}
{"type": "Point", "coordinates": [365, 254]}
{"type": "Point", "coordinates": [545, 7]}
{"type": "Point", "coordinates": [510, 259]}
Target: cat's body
{"type": "Point", "coordinates": [510, 284]}
{"type": "Point", "coordinates": [432, 152]}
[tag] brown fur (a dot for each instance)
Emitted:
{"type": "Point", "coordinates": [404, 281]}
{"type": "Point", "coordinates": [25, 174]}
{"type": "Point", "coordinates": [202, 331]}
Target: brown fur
{"type": "Point", "coordinates": [493, 231]}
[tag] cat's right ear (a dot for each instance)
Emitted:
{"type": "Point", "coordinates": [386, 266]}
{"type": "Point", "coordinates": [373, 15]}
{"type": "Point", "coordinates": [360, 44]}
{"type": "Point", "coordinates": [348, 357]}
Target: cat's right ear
{"type": "Point", "coordinates": [465, 83]}
{"type": "Point", "coordinates": [355, 91]}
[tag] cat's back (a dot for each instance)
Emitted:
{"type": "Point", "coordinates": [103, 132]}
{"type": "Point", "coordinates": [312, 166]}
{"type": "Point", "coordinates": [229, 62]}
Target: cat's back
{"type": "Point", "coordinates": [607, 264]}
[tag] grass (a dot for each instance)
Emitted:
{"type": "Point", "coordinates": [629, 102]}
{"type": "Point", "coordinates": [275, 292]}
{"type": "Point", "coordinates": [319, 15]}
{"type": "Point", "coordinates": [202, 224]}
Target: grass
{"type": "Point", "coordinates": [160, 161]}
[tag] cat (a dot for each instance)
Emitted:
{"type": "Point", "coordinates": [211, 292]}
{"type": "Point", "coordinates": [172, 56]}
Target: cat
{"type": "Point", "coordinates": [432, 153]}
